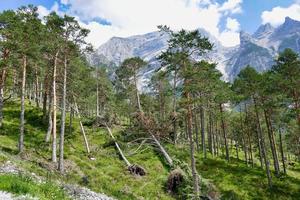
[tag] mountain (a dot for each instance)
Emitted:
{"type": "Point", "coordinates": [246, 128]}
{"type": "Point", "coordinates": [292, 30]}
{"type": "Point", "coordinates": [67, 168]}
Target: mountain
{"type": "Point", "coordinates": [257, 50]}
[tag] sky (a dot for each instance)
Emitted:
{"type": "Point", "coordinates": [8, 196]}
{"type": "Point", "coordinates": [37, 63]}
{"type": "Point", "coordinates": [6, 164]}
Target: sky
{"type": "Point", "coordinates": [224, 19]}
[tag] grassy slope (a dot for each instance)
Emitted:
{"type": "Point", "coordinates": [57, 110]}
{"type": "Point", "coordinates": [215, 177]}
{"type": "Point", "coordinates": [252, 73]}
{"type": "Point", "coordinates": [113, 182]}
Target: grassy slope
{"type": "Point", "coordinates": [108, 173]}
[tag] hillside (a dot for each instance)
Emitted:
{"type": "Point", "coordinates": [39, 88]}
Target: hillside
{"type": "Point", "coordinates": [108, 174]}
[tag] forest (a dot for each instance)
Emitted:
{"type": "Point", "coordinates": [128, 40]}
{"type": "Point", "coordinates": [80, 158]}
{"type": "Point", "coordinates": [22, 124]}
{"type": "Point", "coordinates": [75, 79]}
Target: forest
{"type": "Point", "coordinates": [189, 135]}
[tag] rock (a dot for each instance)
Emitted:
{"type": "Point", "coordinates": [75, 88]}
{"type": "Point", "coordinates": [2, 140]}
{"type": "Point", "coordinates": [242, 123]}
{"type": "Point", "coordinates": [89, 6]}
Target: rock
{"type": "Point", "coordinates": [81, 193]}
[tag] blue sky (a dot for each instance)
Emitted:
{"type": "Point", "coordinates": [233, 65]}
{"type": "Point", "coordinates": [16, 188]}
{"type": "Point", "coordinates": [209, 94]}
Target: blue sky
{"type": "Point", "coordinates": [223, 18]}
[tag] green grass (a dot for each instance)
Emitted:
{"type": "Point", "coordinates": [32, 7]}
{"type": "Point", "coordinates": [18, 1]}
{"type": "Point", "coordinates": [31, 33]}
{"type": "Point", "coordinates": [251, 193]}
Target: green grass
{"type": "Point", "coordinates": [22, 185]}
{"type": "Point", "coordinates": [108, 174]}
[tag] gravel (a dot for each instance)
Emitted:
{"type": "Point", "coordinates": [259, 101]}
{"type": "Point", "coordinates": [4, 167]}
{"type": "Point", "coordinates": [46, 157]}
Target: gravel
{"type": "Point", "coordinates": [81, 193]}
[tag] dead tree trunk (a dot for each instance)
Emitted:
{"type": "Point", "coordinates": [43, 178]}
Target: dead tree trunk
{"type": "Point", "coordinates": [82, 128]}
{"type": "Point", "coordinates": [134, 169]}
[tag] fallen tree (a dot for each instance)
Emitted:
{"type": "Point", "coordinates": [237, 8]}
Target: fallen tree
{"type": "Point", "coordinates": [132, 168]}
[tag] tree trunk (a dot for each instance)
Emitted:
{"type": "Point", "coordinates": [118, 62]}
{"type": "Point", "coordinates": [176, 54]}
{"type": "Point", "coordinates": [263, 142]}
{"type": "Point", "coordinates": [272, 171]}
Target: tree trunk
{"type": "Point", "coordinates": [54, 159]}
{"type": "Point", "coordinates": [282, 153]}
{"type": "Point", "coordinates": [224, 132]}
{"type": "Point", "coordinates": [262, 142]}
{"type": "Point", "coordinates": [237, 150]}
{"type": "Point", "coordinates": [50, 125]}
{"type": "Point", "coordinates": [47, 90]}
{"type": "Point", "coordinates": [272, 143]}
{"type": "Point", "coordinates": [36, 87]}
{"type": "Point", "coordinates": [202, 131]}
{"type": "Point", "coordinates": [70, 120]}
{"type": "Point", "coordinates": [63, 120]}
{"type": "Point", "coordinates": [22, 115]}
{"type": "Point", "coordinates": [137, 94]}
{"type": "Point", "coordinates": [209, 131]}
{"type": "Point", "coordinates": [192, 150]}
{"type": "Point", "coordinates": [82, 128]}
{"type": "Point", "coordinates": [97, 94]}
{"type": "Point", "coordinates": [2, 80]}
{"type": "Point", "coordinates": [174, 115]}
{"type": "Point", "coordinates": [118, 147]}
{"type": "Point", "coordinates": [162, 149]}
{"type": "Point", "coordinates": [196, 131]}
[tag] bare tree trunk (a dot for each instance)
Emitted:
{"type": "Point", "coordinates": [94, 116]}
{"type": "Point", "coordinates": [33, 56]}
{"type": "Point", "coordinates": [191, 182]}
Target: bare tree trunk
{"type": "Point", "coordinates": [97, 94]}
{"type": "Point", "coordinates": [196, 131]}
{"type": "Point", "coordinates": [272, 143]}
{"type": "Point", "coordinates": [54, 157]}
{"type": "Point", "coordinates": [202, 131]}
{"type": "Point", "coordinates": [36, 87]}
{"type": "Point", "coordinates": [137, 93]}
{"type": "Point", "coordinates": [174, 108]}
{"type": "Point", "coordinates": [118, 147]}
{"type": "Point", "coordinates": [192, 150]}
{"type": "Point", "coordinates": [237, 149]}
{"type": "Point", "coordinates": [262, 141]}
{"type": "Point", "coordinates": [224, 132]}
{"type": "Point", "coordinates": [282, 153]}
{"type": "Point", "coordinates": [50, 125]}
{"type": "Point", "coordinates": [162, 149]}
{"type": "Point", "coordinates": [47, 90]}
{"type": "Point", "coordinates": [22, 115]}
{"type": "Point", "coordinates": [209, 131]}
{"type": "Point", "coordinates": [63, 120]}
{"type": "Point", "coordinates": [2, 80]}
{"type": "Point", "coordinates": [70, 120]}
{"type": "Point", "coordinates": [82, 128]}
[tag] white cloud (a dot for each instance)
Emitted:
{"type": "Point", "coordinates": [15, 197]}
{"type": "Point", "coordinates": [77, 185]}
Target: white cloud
{"type": "Point", "coordinates": [64, 2]}
{"type": "Point", "coordinates": [131, 17]}
{"type": "Point", "coordinates": [277, 15]}
{"type": "Point", "coordinates": [232, 24]}
{"type": "Point", "coordinates": [233, 6]}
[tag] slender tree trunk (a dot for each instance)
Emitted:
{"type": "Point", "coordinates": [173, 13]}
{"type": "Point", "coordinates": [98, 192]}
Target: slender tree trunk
{"type": "Point", "coordinates": [97, 94]}
{"type": "Point", "coordinates": [63, 120]}
{"type": "Point", "coordinates": [272, 143]}
{"type": "Point", "coordinates": [192, 149]}
{"type": "Point", "coordinates": [237, 149]}
{"type": "Point", "coordinates": [82, 128]}
{"type": "Point", "coordinates": [36, 87]}
{"type": "Point", "coordinates": [50, 125]}
{"type": "Point", "coordinates": [2, 80]}
{"type": "Point", "coordinates": [47, 90]}
{"type": "Point", "coordinates": [70, 120]}
{"type": "Point", "coordinates": [5, 56]}
{"type": "Point", "coordinates": [262, 142]}
{"type": "Point", "coordinates": [196, 131]}
{"type": "Point", "coordinates": [282, 153]}
{"type": "Point", "coordinates": [174, 108]}
{"type": "Point", "coordinates": [224, 132]}
{"type": "Point", "coordinates": [202, 131]}
{"type": "Point", "coordinates": [54, 107]}
{"type": "Point", "coordinates": [250, 149]}
{"type": "Point", "coordinates": [209, 131]}
{"type": "Point", "coordinates": [22, 115]}
{"type": "Point", "coordinates": [137, 94]}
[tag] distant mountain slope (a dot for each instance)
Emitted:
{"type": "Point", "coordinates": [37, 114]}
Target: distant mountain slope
{"type": "Point", "coordinates": [257, 50]}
